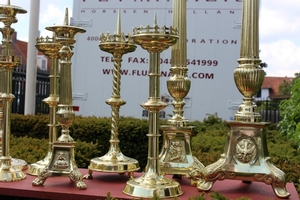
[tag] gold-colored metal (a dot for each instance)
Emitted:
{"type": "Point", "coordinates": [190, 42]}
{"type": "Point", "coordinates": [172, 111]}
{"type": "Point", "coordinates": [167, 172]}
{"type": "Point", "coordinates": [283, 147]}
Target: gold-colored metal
{"type": "Point", "coordinates": [245, 155]}
{"type": "Point", "coordinates": [114, 161]}
{"type": "Point", "coordinates": [8, 171]}
{"type": "Point", "coordinates": [50, 48]}
{"type": "Point", "coordinates": [155, 40]}
{"type": "Point", "coordinates": [62, 162]}
{"type": "Point", "coordinates": [176, 156]}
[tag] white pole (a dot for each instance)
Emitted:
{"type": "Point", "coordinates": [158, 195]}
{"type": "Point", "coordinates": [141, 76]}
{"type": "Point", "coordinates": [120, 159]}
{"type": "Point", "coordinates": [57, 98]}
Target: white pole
{"type": "Point", "coordinates": [31, 66]}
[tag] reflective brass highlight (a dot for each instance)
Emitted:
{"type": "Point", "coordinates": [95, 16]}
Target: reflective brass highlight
{"type": "Point", "coordinates": [62, 162]}
{"type": "Point", "coordinates": [114, 161]}
{"type": "Point", "coordinates": [176, 155]}
{"type": "Point", "coordinates": [155, 40]}
{"type": "Point", "coordinates": [245, 155]}
{"type": "Point", "coordinates": [8, 170]}
{"type": "Point", "coordinates": [50, 48]}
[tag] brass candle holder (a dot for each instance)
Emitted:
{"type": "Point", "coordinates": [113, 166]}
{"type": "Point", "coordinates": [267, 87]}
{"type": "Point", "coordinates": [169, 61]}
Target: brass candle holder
{"type": "Point", "coordinates": [155, 40]}
{"type": "Point", "coordinates": [50, 48]}
{"type": "Point", "coordinates": [245, 155]}
{"type": "Point", "coordinates": [62, 161]}
{"type": "Point", "coordinates": [8, 171]}
{"type": "Point", "coordinates": [114, 161]}
{"type": "Point", "coordinates": [176, 156]}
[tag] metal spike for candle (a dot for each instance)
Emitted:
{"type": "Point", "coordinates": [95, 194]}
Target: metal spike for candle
{"type": "Point", "coordinates": [114, 161]}
{"type": "Point", "coordinates": [8, 170]}
{"type": "Point", "coordinates": [245, 155]}
{"type": "Point", "coordinates": [62, 162]}
{"type": "Point", "coordinates": [153, 182]}
{"type": "Point", "coordinates": [50, 48]}
{"type": "Point", "coordinates": [176, 155]}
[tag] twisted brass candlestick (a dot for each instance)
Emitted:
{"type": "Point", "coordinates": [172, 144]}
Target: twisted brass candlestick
{"type": "Point", "coordinates": [50, 48]}
{"type": "Point", "coordinates": [63, 162]}
{"type": "Point", "coordinates": [154, 40]}
{"type": "Point", "coordinates": [176, 155]}
{"type": "Point", "coordinates": [245, 155]}
{"type": "Point", "coordinates": [114, 161]}
{"type": "Point", "coordinates": [8, 172]}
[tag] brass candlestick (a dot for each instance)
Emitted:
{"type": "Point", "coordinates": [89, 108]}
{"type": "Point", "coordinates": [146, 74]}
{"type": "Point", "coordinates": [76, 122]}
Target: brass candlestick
{"type": "Point", "coordinates": [114, 161]}
{"type": "Point", "coordinates": [8, 171]}
{"type": "Point", "coordinates": [246, 156]}
{"type": "Point", "coordinates": [63, 162]}
{"type": "Point", "coordinates": [154, 40]}
{"type": "Point", "coordinates": [50, 48]}
{"type": "Point", "coordinates": [176, 155]}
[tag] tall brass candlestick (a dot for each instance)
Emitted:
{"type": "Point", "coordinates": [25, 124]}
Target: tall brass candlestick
{"type": "Point", "coordinates": [114, 161]}
{"type": "Point", "coordinates": [154, 40]}
{"type": "Point", "coordinates": [176, 155]}
{"type": "Point", "coordinates": [245, 155]}
{"type": "Point", "coordinates": [63, 162]}
{"type": "Point", "coordinates": [50, 48]}
{"type": "Point", "coordinates": [8, 62]}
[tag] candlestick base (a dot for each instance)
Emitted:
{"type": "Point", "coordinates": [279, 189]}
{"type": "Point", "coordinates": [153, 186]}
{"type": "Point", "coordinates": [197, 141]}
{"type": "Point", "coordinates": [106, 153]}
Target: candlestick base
{"type": "Point", "coordinates": [8, 172]}
{"type": "Point", "coordinates": [245, 158]}
{"type": "Point", "coordinates": [113, 164]}
{"type": "Point", "coordinates": [61, 164]}
{"type": "Point", "coordinates": [36, 168]}
{"type": "Point", "coordinates": [150, 185]}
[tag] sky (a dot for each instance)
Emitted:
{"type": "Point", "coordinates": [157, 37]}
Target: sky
{"type": "Point", "coordinates": [279, 30]}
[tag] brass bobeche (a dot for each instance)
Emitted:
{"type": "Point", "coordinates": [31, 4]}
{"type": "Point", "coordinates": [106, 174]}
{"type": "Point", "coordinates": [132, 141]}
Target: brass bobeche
{"type": "Point", "coordinates": [245, 155]}
{"type": "Point", "coordinates": [63, 159]}
{"type": "Point", "coordinates": [50, 48]}
{"type": "Point", "coordinates": [155, 40]}
{"type": "Point", "coordinates": [176, 154]}
{"type": "Point", "coordinates": [114, 161]}
{"type": "Point", "coordinates": [8, 61]}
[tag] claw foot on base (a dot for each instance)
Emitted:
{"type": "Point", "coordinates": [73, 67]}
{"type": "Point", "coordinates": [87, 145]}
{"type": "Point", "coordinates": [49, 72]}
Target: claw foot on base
{"type": "Point", "coordinates": [42, 177]}
{"type": "Point", "coordinates": [80, 185]}
{"type": "Point", "coordinates": [204, 186]}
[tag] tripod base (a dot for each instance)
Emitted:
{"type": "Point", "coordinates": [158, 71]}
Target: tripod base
{"type": "Point", "coordinates": [62, 164]}
{"type": "Point", "coordinates": [245, 158]}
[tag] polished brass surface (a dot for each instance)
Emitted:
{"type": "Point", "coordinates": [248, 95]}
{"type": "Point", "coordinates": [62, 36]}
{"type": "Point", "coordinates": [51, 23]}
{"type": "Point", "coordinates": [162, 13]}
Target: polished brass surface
{"type": "Point", "coordinates": [245, 155]}
{"type": "Point", "coordinates": [8, 171]}
{"type": "Point", "coordinates": [176, 155]}
{"type": "Point", "coordinates": [62, 162]}
{"type": "Point", "coordinates": [114, 161]}
{"type": "Point", "coordinates": [153, 39]}
{"type": "Point", "coordinates": [50, 48]}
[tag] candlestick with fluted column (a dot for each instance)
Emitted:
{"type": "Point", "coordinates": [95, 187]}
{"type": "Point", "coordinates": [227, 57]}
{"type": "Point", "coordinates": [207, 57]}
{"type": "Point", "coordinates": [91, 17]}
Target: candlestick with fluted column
{"type": "Point", "coordinates": [8, 61]}
{"type": "Point", "coordinates": [245, 155]}
{"type": "Point", "coordinates": [63, 159]}
{"type": "Point", "coordinates": [153, 182]}
{"type": "Point", "coordinates": [50, 48]}
{"type": "Point", "coordinates": [176, 154]}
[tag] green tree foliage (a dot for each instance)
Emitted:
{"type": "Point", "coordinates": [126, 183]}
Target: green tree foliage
{"type": "Point", "coordinates": [290, 113]}
{"type": "Point", "coordinates": [285, 88]}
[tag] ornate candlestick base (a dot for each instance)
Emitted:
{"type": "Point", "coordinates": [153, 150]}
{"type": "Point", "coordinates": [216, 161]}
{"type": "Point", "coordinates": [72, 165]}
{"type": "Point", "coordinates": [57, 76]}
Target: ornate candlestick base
{"type": "Point", "coordinates": [62, 164]}
{"type": "Point", "coordinates": [36, 168]}
{"type": "Point", "coordinates": [19, 163]}
{"type": "Point", "coordinates": [8, 172]}
{"type": "Point", "coordinates": [176, 156]}
{"type": "Point", "coordinates": [150, 184]}
{"type": "Point", "coordinates": [245, 159]}
{"type": "Point", "coordinates": [109, 163]}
